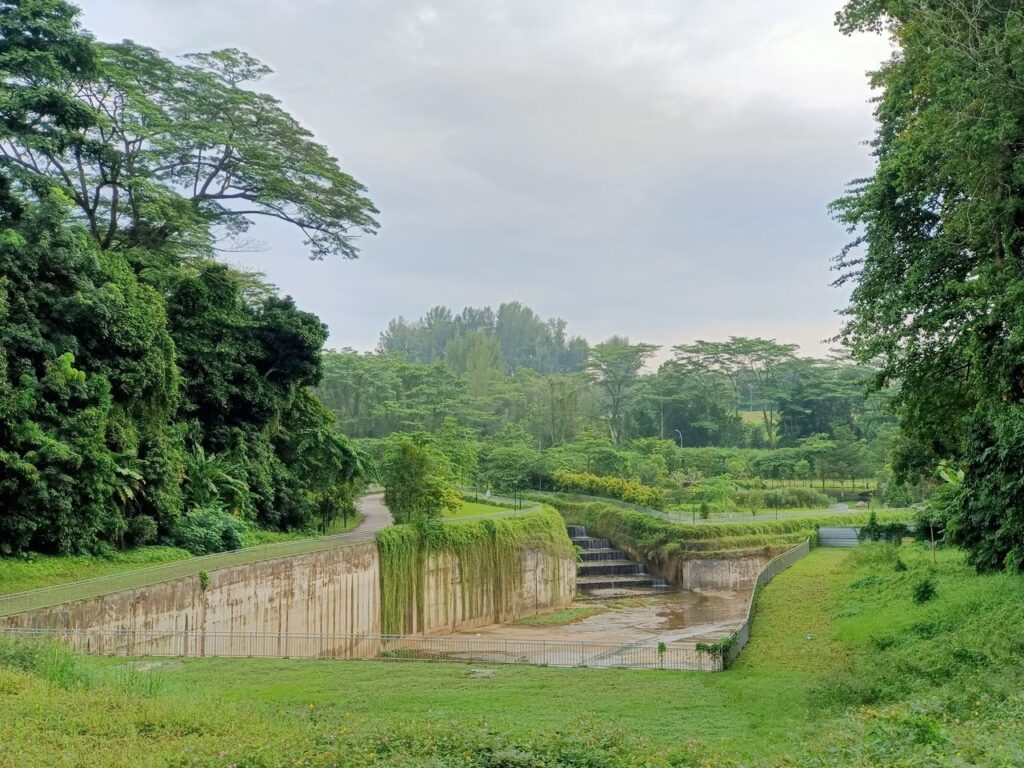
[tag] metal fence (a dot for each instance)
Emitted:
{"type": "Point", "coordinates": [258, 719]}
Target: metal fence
{"type": "Point", "coordinates": [648, 654]}
{"type": "Point", "coordinates": [774, 567]}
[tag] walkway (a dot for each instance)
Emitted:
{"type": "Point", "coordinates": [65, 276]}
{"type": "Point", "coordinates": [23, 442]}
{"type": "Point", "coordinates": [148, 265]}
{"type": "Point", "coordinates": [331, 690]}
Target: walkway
{"type": "Point", "coordinates": [375, 517]}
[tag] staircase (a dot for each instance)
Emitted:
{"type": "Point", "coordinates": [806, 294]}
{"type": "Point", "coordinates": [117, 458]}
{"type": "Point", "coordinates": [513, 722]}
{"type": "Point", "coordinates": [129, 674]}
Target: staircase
{"type": "Point", "coordinates": [604, 568]}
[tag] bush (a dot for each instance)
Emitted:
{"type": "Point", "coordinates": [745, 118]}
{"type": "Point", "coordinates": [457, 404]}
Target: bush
{"type": "Point", "coordinates": [924, 590]}
{"type": "Point", "coordinates": [141, 530]}
{"type": "Point", "coordinates": [874, 531]}
{"type": "Point", "coordinates": [610, 487]}
{"type": "Point", "coordinates": [208, 529]}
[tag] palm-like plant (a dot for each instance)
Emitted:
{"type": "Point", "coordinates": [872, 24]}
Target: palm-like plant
{"type": "Point", "coordinates": [211, 478]}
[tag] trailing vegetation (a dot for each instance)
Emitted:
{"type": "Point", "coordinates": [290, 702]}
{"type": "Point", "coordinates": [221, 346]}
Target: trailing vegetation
{"type": "Point", "coordinates": [488, 553]}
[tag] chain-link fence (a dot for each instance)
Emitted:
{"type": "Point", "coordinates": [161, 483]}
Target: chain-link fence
{"type": "Point", "coordinates": [649, 654]}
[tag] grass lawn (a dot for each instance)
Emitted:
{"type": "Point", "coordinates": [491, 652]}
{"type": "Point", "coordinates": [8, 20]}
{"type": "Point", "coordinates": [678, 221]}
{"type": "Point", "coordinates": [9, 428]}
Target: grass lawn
{"type": "Point", "coordinates": [474, 508]}
{"type": "Point", "coordinates": [33, 571]}
{"type": "Point", "coordinates": [18, 574]}
{"type": "Point", "coordinates": [844, 669]}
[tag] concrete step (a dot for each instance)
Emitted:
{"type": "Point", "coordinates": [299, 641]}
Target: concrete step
{"type": "Point", "coordinates": [589, 542]}
{"type": "Point", "coordinates": [610, 567]}
{"type": "Point", "coordinates": [585, 583]}
{"type": "Point", "coordinates": [592, 555]}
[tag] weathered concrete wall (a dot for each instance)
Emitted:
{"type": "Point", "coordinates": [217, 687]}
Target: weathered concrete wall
{"type": "Point", "coordinates": [546, 582]}
{"type": "Point", "coordinates": [715, 574]}
{"type": "Point", "coordinates": [296, 606]}
{"type": "Point", "coordinates": [335, 591]}
{"type": "Point", "coordinates": [710, 574]}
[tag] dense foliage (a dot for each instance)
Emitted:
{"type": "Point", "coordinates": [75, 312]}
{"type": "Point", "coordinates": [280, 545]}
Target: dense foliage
{"type": "Point", "coordinates": [610, 487]}
{"type": "Point", "coordinates": [148, 392]}
{"type": "Point", "coordinates": [739, 415]}
{"type": "Point", "coordinates": [938, 284]}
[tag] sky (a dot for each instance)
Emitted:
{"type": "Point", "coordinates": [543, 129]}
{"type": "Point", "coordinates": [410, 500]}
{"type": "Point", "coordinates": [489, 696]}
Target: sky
{"type": "Point", "coordinates": [654, 168]}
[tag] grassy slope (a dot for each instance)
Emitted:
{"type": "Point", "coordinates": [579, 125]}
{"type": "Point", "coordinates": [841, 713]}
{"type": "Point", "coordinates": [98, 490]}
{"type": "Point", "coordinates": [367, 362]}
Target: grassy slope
{"type": "Point", "coordinates": [473, 508]}
{"type": "Point", "coordinates": [888, 681]}
{"type": "Point", "coordinates": [18, 574]}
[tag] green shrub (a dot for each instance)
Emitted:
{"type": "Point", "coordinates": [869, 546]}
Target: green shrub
{"type": "Point", "coordinates": [610, 487]}
{"type": "Point", "coordinates": [924, 590]}
{"type": "Point", "coordinates": [208, 529]}
{"type": "Point", "coordinates": [141, 530]}
{"type": "Point", "coordinates": [875, 531]}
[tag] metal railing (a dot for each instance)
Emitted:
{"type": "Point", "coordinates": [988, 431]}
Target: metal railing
{"type": "Point", "coordinates": [649, 654]}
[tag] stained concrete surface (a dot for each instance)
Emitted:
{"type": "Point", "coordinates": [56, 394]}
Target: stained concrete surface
{"type": "Point", "coordinates": [678, 618]}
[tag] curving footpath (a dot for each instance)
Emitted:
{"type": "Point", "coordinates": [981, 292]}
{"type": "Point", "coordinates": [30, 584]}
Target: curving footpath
{"type": "Point", "coordinates": [375, 516]}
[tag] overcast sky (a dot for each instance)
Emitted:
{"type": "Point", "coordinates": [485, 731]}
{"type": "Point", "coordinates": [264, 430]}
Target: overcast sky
{"type": "Point", "coordinates": [658, 168]}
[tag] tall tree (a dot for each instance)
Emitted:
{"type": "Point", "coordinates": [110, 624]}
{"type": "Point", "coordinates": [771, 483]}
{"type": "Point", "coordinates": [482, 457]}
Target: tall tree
{"type": "Point", "coordinates": [753, 366]}
{"type": "Point", "coordinates": [163, 153]}
{"type": "Point", "coordinates": [615, 368]}
{"type": "Point", "coordinates": [937, 267]}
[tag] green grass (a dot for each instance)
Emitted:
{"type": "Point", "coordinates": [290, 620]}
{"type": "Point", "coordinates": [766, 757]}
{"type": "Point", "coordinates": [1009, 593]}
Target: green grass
{"type": "Point", "coordinates": [35, 571]}
{"type": "Point", "coordinates": [475, 508]}
{"type": "Point", "coordinates": [18, 574]}
{"type": "Point", "coordinates": [844, 669]}
{"type": "Point", "coordinates": [565, 616]}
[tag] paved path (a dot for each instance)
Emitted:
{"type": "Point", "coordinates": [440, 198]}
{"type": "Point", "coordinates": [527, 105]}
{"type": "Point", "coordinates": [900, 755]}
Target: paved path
{"type": "Point", "coordinates": [375, 516]}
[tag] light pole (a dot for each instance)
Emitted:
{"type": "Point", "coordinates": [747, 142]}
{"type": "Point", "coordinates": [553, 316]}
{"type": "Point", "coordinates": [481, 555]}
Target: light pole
{"type": "Point", "coordinates": [680, 437]}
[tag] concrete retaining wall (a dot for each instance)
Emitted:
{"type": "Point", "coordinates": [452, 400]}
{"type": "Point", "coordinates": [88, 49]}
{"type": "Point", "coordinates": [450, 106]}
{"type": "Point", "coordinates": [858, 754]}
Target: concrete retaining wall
{"type": "Point", "coordinates": [547, 582]}
{"type": "Point", "coordinates": [711, 574]}
{"type": "Point", "coordinates": [334, 592]}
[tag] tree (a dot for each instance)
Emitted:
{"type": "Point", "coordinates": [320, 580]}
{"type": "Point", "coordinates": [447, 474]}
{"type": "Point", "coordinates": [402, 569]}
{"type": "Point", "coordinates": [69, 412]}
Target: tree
{"type": "Point", "coordinates": [753, 366]}
{"type": "Point", "coordinates": [418, 480]}
{"type": "Point", "coordinates": [114, 354]}
{"type": "Point", "coordinates": [936, 263]}
{"type": "Point", "coordinates": [160, 153]}
{"type": "Point", "coordinates": [335, 469]}
{"type": "Point", "coordinates": [88, 387]}
{"type": "Point", "coordinates": [508, 468]}
{"type": "Point", "coordinates": [615, 368]}
{"type": "Point", "coordinates": [43, 55]}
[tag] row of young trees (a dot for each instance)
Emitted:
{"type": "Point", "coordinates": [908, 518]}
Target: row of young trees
{"type": "Point", "coordinates": [146, 390]}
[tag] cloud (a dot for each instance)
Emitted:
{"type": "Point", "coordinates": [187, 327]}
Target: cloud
{"type": "Point", "coordinates": [648, 167]}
